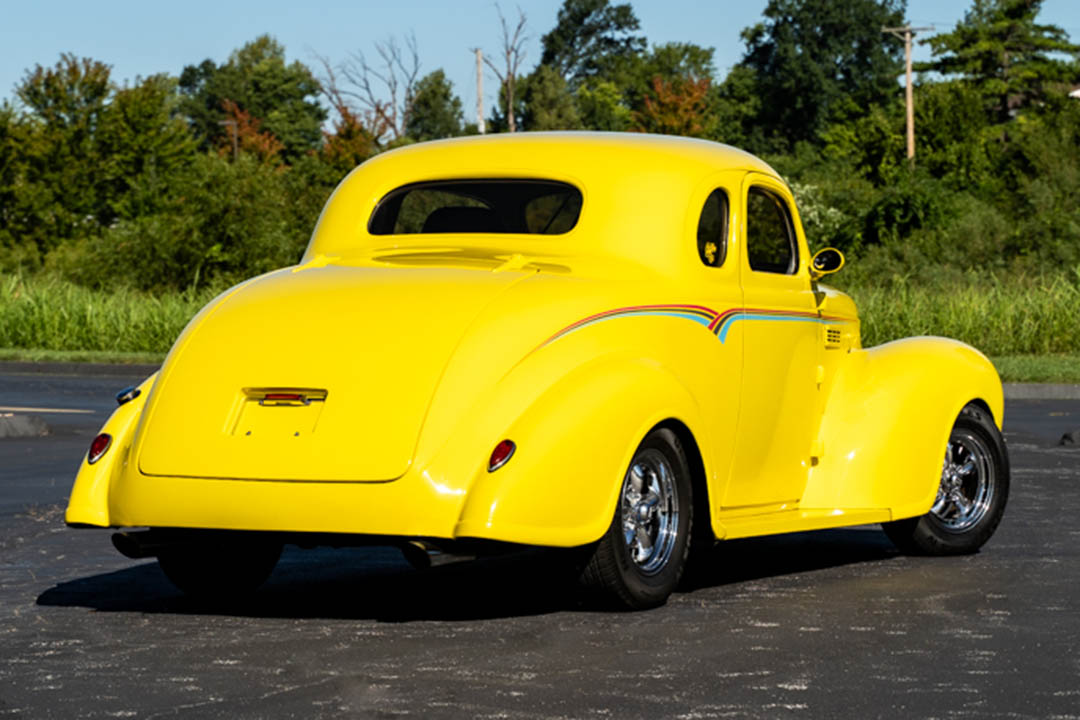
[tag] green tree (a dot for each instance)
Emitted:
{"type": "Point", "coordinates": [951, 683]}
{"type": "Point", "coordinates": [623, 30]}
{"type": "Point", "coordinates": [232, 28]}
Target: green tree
{"type": "Point", "coordinates": [601, 106]}
{"type": "Point", "coordinates": [436, 111]}
{"type": "Point", "coordinates": [814, 58]}
{"type": "Point", "coordinates": [255, 77]}
{"type": "Point", "coordinates": [676, 106]}
{"type": "Point", "coordinates": [15, 249]}
{"type": "Point", "coordinates": [217, 223]}
{"type": "Point", "coordinates": [591, 38]}
{"type": "Point", "coordinates": [735, 106]}
{"type": "Point", "coordinates": [676, 59]}
{"type": "Point", "coordinates": [141, 134]}
{"type": "Point", "coordinates": [1040, 167]}
{"type": "Point", "coordinates": [872, 144]}
{"type": "Point", "coordinates": [63, 197]}
{"type": "Point", "coordinates": [548, 104]}
{"type": "Point", "coordinates": [644, 89]}
{"type": "Point", "coordinates": [956, 140]}
{"type": "Point", "coordinates": [1000, 48]}
{"type": "Point", "coordinates": [670, 75]}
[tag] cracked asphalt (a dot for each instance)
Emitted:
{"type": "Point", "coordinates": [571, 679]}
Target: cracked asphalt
{"type": "Point", "coordinates": [826, 624]}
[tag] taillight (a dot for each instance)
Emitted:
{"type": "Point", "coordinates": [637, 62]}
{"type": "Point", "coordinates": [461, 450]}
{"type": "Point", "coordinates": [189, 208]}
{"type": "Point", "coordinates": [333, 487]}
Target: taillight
{"type": "Point", "coordinates": [284, 397]}
{"type": "Point", "coordinates": [501, 454]}
{"type": "Point", "coordinates": [98, 447]}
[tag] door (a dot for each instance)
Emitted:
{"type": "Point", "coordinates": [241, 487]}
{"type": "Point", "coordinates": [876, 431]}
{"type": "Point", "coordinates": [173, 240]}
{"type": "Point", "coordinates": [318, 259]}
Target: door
{"type": "Point", "coordinates": [777, 421]}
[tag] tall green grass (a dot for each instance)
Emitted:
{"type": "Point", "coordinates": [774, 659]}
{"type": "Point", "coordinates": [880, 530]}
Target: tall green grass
{"type": "Point", "coordinates": [42, 313]}
{"type": "Point", "coordinates": [1029, 318]}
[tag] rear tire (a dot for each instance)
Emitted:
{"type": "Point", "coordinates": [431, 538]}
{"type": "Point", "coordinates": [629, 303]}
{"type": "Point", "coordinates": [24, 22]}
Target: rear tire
{"type": "Point", "coordinates": [638, 562]}
{"type": "Point", "coordinates": [971, 496]}
{"type": "Point", "coordinates": [215, 565]}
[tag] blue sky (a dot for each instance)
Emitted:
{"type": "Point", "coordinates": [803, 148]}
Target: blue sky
{"type": "Point", "coordinates": [142, 38]}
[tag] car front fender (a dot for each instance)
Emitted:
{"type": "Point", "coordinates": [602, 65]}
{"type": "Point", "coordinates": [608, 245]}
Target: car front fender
{"type": "Point", "coordinates": [89, 502]}
{"type": "Point", "coordinates": [887, 421]}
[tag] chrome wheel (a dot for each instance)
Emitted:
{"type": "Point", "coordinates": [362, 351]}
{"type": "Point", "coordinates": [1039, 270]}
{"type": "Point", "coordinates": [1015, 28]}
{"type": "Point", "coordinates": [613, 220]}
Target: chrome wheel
{"type": "Point", "coordinates": [968, 483]}
{"type": "Point", "coordinates": [649, 511]}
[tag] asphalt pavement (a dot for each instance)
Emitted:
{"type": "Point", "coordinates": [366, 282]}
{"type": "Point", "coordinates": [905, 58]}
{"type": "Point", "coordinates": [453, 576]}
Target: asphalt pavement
{"type": "Point", "coordinates": [826, 624]}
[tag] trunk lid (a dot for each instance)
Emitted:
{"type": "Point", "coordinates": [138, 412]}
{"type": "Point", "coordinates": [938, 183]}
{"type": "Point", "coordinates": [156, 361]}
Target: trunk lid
{"type": "Point", "coordinates": [322, 374]}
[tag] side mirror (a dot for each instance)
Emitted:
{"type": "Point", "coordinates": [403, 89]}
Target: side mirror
{"type": "Point", "coordinates": [825, 262]}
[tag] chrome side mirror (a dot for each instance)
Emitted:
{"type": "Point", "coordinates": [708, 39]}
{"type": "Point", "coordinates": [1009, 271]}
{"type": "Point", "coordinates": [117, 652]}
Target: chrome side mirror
{"type": "Point", "coordinates": [825, 262]}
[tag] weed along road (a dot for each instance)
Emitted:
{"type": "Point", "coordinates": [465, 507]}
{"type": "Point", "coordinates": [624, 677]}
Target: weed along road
{"type": "Point", "coordinates": [824, 624]}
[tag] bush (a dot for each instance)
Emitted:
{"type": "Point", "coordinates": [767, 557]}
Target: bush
{"type": "Point", "coordinates": [221, 222]}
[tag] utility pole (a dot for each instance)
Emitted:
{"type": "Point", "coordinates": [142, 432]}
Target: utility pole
{"type": "Point", "coordinates": [906, 34]}
{"type": "Point", "coordinates": [479, 89]}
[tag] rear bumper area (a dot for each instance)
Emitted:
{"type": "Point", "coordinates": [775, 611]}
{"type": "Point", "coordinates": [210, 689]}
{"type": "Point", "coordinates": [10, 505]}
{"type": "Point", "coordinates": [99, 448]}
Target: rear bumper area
{"type": "Point", "coordinates": [413, 505]}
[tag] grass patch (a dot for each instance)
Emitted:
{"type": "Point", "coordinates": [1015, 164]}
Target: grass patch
{"type": "Point", "coordinates": [1038, 368]}
{"type": "Point", "coordinates": [1030, 329]}
{"type": "Point", "coordinates": [80, 356]}
{"type": "Point", "coordinates": [42, 313]}
{"type": "Point", "coordinates": [1041, 318]}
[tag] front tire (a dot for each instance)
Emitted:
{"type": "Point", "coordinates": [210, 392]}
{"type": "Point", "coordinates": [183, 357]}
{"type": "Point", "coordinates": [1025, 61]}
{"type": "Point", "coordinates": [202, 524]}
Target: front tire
{"type": "Point", "coordinates": [219, 565]}
{"type": "Point", "coordinates": [640, 559]}
{"type": "Point", "coordinates": [971, 496]}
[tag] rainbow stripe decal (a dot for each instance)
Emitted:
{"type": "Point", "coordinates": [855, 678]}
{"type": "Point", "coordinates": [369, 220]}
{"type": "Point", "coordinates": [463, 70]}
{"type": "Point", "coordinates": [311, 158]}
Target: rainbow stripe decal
{"type": "Point", "coordinates": [718, 323]}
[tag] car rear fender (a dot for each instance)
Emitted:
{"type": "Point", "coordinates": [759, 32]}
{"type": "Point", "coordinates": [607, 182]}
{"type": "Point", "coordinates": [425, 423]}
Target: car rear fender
{"type": "Point", "coordinates": [574, 443]}
{"type": "Point", "coordinates": [89, 503]}
{"type": "Point", "coordinates": [888, 419]}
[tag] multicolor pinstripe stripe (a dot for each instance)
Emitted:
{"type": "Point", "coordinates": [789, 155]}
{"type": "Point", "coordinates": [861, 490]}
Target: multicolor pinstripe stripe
{"type": "Point", "coordinates": [718, 323]}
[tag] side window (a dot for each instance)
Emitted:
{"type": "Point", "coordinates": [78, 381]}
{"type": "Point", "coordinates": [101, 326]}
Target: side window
{"type": "Point", "coordinates": [770, 237]}
{"type": "Point", "coordinates": [712, 229]}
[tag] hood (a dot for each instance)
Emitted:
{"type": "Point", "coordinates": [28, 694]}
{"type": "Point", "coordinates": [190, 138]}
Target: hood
{"type": "Point", "coordinates": [321, 374]}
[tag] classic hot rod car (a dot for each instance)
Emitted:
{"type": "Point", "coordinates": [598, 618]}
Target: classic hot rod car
{"type": "Point", "coordinates": [618, 343]}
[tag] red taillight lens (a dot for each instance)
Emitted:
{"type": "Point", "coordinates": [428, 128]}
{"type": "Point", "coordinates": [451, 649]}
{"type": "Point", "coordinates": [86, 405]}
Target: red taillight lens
{"type": "Point", "coordinates": [501, 454]}
{"type": "Point", "coordinates": [98, 447]}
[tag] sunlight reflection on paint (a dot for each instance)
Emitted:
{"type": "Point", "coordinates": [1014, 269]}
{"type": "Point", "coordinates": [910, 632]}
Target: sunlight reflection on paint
{"type": "Point", "coordinates": [440, 487]}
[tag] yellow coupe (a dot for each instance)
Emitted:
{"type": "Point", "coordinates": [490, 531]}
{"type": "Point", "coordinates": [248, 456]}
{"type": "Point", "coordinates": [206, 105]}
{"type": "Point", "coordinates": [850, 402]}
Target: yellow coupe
{"type": "Point", "coordinates": [606, 341]}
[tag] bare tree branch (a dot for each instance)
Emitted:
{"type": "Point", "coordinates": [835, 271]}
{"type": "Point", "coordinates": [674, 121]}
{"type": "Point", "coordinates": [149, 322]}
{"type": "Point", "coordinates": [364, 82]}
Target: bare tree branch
{"type": "Point", "coordinates": [371, 121]}
{"type": "Point", "coordinates": [328, 84]}
{"type": "Point", "coordinates": [513, 51]}
{"type": "Point", "coordinates": [394, 75]}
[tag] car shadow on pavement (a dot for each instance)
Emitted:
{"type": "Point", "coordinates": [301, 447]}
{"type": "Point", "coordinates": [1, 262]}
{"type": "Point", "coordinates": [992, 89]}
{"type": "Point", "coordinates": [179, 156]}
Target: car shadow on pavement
{"type": "Point", "coordinates": [739, 561]}
{"type": "Point", "coordinates": [376, 583]}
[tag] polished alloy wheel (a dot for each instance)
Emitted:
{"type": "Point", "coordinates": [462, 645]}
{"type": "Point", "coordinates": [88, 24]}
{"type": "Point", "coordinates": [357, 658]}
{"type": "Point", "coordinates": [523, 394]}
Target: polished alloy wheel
{"type": "Point", "coordinates": [967, 483]}
{"type": "Point", "coordinates": [650, 511]}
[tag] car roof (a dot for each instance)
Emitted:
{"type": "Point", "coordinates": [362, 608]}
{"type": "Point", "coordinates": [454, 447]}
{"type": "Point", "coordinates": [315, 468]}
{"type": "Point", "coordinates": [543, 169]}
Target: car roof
{"type": "Point", "coordinates": [632, 149]}
{"type": "Point", "coordinates": [634, 184]}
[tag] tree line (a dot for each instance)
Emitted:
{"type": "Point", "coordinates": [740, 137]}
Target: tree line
{"type": "Point", "coordinates": [219, 172]}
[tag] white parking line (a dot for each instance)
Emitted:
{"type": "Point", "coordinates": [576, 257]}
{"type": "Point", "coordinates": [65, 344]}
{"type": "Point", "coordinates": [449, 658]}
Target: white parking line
{"type": "Point", "coordinates": [67, 411]}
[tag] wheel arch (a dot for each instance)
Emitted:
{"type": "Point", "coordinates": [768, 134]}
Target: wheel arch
{"type": "Point", "coordinates": [985, 406]}
{"type": "Point", "coordinates": [578, 452]}
{"type": "Point", "coordinates": [699, 484]}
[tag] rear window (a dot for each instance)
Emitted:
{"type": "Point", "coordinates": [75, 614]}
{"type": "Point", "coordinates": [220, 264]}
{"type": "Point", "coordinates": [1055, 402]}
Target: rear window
{"type": "Point", "coordinates": [532, 207]}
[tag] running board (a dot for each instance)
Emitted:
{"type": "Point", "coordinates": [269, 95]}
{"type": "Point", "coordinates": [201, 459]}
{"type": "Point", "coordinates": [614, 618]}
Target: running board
{"type": "Point", "coordinates": [797, 521]}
